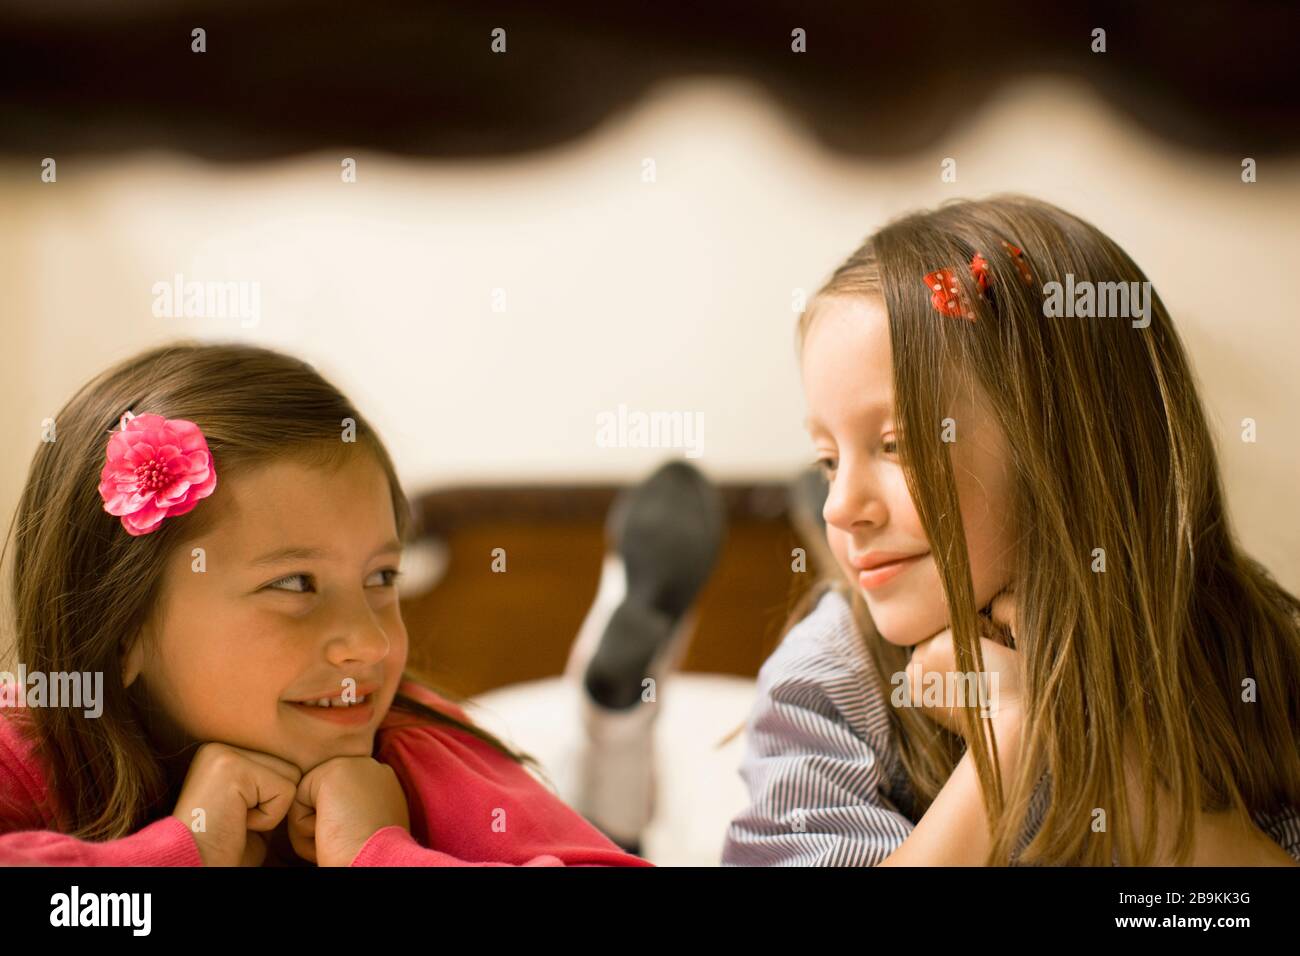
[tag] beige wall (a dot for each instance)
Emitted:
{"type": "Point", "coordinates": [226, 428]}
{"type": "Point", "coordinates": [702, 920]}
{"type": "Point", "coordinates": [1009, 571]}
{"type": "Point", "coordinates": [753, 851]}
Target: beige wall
{"type": "Point", "coordinates": [672, 296]}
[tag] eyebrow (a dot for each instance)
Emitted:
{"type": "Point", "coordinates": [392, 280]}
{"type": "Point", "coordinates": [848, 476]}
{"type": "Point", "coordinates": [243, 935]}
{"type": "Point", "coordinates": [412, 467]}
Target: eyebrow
{"type": "Point", "coordinates": [305, 554]}
{"type": "Point", "coordinates": [812, 422]}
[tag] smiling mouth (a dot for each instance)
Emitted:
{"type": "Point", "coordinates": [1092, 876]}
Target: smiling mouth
{"type": "Point", "coordinates": [333, 701]}
{"type": "Point", "coordinates": [356, 714]}
{"type": "Point", "coordinates": [882, 574]}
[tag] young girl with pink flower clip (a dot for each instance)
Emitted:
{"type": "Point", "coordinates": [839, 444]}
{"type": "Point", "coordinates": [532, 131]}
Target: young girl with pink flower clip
{"type": "Point", "coordinates": [217, 531]}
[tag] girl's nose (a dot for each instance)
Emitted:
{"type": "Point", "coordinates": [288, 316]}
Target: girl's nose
{"type": "Point", "coordinates": [358, 638]}
{"type": "Point", "coordinates": [853, 499]}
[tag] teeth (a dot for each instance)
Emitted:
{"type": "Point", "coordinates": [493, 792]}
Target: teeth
{"type": "Point", "coordinates": [335, 702]}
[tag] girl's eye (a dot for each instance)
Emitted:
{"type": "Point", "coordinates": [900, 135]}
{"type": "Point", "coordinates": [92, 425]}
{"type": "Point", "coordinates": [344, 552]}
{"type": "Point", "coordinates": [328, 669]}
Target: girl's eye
{"type": "Point", "coordinates": [826, 466]}
{"type": "Point", "coordinates": [392, 575]}
{"type": "Point", "coordinates": [890, 447]}
{"type": "Point", "coordinates": [275, 585]}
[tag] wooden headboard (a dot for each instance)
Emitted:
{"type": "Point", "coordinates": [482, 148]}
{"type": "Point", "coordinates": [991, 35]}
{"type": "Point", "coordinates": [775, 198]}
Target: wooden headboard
{"type": "Point", "coordinates": [478, 629]}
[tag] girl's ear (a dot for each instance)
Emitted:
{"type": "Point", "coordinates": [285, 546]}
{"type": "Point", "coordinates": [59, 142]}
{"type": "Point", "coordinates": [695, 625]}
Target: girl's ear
{"type": "Point", "coordinates": [133, 659]}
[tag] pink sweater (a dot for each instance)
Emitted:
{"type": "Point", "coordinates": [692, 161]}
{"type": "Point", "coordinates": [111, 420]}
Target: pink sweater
{"type": "Point", "coordinates": [456, 787]}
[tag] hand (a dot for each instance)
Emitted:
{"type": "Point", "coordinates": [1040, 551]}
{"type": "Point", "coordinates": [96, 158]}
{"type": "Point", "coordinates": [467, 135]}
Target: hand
{"type": "Point", "coordinates": [342, 803]}
{"type": "Point", "coordinates": [242, 794]}
{"type": "Point", "coordinates": [999, 693]}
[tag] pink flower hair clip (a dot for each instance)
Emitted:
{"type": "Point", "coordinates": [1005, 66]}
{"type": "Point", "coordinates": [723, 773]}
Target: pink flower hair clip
{"type": "Point", "coordinates": [946, 294]}
{"type": "Point", "coordinates": [157, 468]}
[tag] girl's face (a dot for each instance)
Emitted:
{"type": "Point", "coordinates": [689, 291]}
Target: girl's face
{"type": "Point", "coordinates": [848, 386]}
{"type": "Point", "coordinates": [295, 595]}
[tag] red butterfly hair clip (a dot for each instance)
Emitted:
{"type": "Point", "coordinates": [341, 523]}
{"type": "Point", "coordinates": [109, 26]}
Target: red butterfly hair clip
{"type": "Point", "coordinates": [946, 294]}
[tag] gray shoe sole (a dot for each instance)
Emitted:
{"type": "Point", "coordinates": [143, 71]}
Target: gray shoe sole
{"type": "Point", "coordinates": [668, 530]}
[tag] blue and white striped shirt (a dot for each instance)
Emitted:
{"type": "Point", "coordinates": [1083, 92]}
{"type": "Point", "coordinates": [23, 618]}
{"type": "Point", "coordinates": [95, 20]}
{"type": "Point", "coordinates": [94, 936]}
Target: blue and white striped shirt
{"type": "Point", "coordinates": [826, 784]}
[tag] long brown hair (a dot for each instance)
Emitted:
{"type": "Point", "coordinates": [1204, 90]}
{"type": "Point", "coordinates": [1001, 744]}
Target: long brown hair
{"type": "Point", "coordinates": [1110, 450]}
{"type": "Point", "coordinates": [81, 588]}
